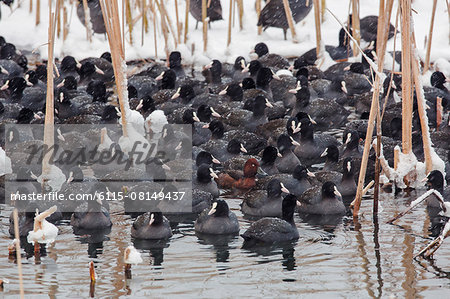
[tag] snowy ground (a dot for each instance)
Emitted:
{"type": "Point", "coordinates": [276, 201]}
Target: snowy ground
{"type": "Point", "coordinates": [18, 27]}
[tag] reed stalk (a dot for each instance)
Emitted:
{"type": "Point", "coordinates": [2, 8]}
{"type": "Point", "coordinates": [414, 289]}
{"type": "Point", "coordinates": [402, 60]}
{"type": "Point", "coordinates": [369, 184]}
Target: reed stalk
{"type": "Point", "coordinates": [38, 12]}
{"type": "Point", "coordinates": [241, 13]}
{"type": "Point", "coordinates": [163, 28]}
{"type": "Point", "coordinates": [115, 38]}
{"type": "Point", "coordinates": [31, 6]}
{"type": "Point", "coordinates": [178, 21]}
{"type": "Point", "coordinates": [186, 20]}
{"type": "Point", "coordinates": [290, 19]}
{"type": "Point", "coordinates": [87, 21]}
{"type": "Point", "coordinates": [258, 13]}
{"type": "Point", "coordinates": [318, 32]}
{"type": "Point", "coordinates": [49, 102]}
{"type": "Point", "coordinates": [205, 26]}
{"type": "Point", "coordinates": [355, 25]}
{"type": "Point", "coordinates": [65, 24]}
{"type": "Point", "coordinates": [155, 35]}
{"type": "Point", "coordinates": [18, 256]}
{"type": "Point", "coordinates": [407, 96]}
{"type": "Point", "coordinates": [374, 109]}
{"type": "Point", "coordinates": [429, 39]}
{"type": "Point", "coordinates": [323, 6]}
{"type": "Point", "coordinates": [229, 23]}
{"type": "Point", "coordinates": [129, 20]}
{"type": "Point", "coordinates": [422, 112]}
{"type": "Point", "coordinates": [169, 22]}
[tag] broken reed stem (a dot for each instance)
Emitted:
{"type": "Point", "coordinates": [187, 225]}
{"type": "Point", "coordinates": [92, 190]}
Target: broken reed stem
{"type": "Point", "coordinates": [430, 37]}
{"type": "Point", "coordinates": [65, 25]}
{"type": "Point", "coordinates": [155, 37]}
{"type": "Point", "coordinates": [169, 22]}
{"type": "Point", "coordinates": [144, 21]}
{"type": "Point", "coordinates": [178, 21]}
{"type": "Point", "coordinates": [49, 102]}
{"type": "Point", "coordinates": [407, 106]}
{"type": "Point", "coordinates": [58, 23]}
{"type": "Point", "coordinates": [258, 13]}
{"type": "Point", "coordinates": [318, 33]}
{"type": "Point", "coordinates": [38, 12]}
{"type": "Point", "coordinates": [186, 20]}
{"type": "Point", "coordinates": [163, 28]}
{"type": "Point", "coordinates": [87, 21]}
{"type": "Point", "coordinates": [380, 27]}
{"type": "Point", "coordinates": [229, 23]}
{"type": "Point", "coordinates": [205, 26]}
{"type": "Point", "coordinates": [288, 12]}
{"type": "Point", "coordinates": [241, 13]}
{"type": "Point", "coordinates": [115, 38]}
{"type": "Point", "coordinates": [355, 25]}
{"type": "Point", "coordinates": [18, 256]}
{"type": "Point", "coordinates": [422, 112]}
{"type": "Point", "coordinates": [374, 110]}
{"type": "Point", "coordinates": [129, 19]}
{"type": "Point", "coordinates": [31, 6]}
{"type": "Point", "coordinates": [323, 6]}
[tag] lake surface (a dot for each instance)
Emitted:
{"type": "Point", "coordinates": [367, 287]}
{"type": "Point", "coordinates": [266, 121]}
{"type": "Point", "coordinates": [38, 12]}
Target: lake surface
{"type": "Point", "coordinates": [334, 257]}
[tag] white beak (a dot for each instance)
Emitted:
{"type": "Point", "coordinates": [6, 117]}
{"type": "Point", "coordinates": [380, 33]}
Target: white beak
{"type": "Point", "coordinates": [268, 104]}
{"type": "Point", "coordinates": [5, 86]}
{"type": "Point", "coordinates": [291, 68]}
{"type": "Point", "coordinates": [325, 152]}
{"type": "Point", "coordinates": [343, 87]}
{"type": "Point", "coordinates": [348, 138]}
{"type": "Point", "coordinates": [312, 120]}
{"type": "Point", "coordinates": [160, 76]}
{"type": "Point", "coordinates": [279, 155]}
{"type": "Point", "coordinates": [223, 91]}
{"type": "Point", "coordinates": [213, 209]}
{"type": "Point", "coordinates": [195, 117]}
{"type": "Point", "coordinates": [309, 173]}
{"type": "Point", "coordinates": [61, 84]}
{"type": "Point", "coordinates": [61, 97]}
{"type": "Point", "coordinates": [70, 178]}
{"type": "Point", "coordinates": [214, 113]}
{"type": "Point", "coordinates": [176, 95]}
{"type": "Point", "coordinates": [275, 76]}
{"type": "Point", "coordinates": [284, 189]}
{"type": "Point", "coordinates": [140, 105]}
{"type": "Point", "coordinates": [243, 149]}
{"type": "Point", "coordinates": [336, 192]}
{"type": "Point", "coordinates": [165, 166]}
{"type": "Point", "coordinates": [78, 64]}
{"type": "Point", "coordinates": [205, 126]}
{"type": "Point", "coordinates": [152, 219]}
{"type": "Point", "coordinates": [4, 71]}
{"type": "Point", "coordinates": [178, 147]}
{"type": "Point", "coordinates": [349, 166]}
{"type": "Point", "coordinates": [208, 66]}
{"type": "Point", "coordinates": [294, 142]}
{"type": "Point", "coordinates": [99, 71]}
{"type": "Point", "coordinates": [213, 174]}
{"type": "Point", "coordinates": [214, 160]}
{"type": "Point", "coordinates": [60, 136]}
{"type": "Point", "coordinates": [347, 68]}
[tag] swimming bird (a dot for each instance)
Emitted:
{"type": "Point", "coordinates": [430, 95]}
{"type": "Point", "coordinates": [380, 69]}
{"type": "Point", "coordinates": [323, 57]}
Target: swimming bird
{"type": "Point", "coordinates": [325, 202]}
{"type": "Point", "coordinates": [218, 220]}
{"type": "Point", "coordinates": [271, 230]}
{"type": "Point", "coordinates": [151, 226]}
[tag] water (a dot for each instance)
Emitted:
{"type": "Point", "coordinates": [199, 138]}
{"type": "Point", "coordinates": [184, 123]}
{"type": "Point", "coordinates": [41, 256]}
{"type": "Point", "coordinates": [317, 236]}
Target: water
{"type": "Point", "coordinates": [334, 258]}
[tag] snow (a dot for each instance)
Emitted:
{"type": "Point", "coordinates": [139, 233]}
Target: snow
{"type": "Point", "coordinates": [55, 178]}
{"type": "Point", "coordinates": [132, 256]}
{"type": "Point", "coordinates": [5, 163]}
{"type": "Point", "coordinates": [46, 235]}
{"type": "Point", "coordinates": [242, 40]}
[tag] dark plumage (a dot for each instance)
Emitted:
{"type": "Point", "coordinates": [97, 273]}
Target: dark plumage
{"type": "Point", "coordinates": [218, 220]}
{"type": "Point", "coordinates": [270, 230]}
{"type": "Point", "coordinates": [151, 226]}
{"type": "Point", "coordinates": [95, 14]}
{"type": "Point", "coordinates": [273, 14]}
{"type": "Point", "coordinates": [213, 11]}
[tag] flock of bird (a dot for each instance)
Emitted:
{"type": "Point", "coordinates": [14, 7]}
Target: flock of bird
{"type": "Point", "coordinates": [262, 129]}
